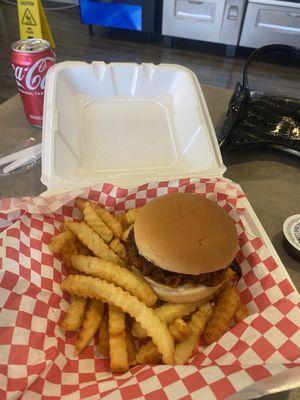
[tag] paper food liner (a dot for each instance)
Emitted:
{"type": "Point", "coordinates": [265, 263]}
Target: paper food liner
{"type": "Point", "coordinates": [259, 355]}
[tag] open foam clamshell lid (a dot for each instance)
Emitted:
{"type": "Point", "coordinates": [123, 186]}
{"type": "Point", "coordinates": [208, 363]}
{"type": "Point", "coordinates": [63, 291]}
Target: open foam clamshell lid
{"type": "Point", "coordinates": [126, 124]}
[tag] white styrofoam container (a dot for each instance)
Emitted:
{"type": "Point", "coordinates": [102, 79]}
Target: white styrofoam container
{"type": "Point", "coordinates": [125, 124]}
{"type": "Point", "coordinates": [128, 124]}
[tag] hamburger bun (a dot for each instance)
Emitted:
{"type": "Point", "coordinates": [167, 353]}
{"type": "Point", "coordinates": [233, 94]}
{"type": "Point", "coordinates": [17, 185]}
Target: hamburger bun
{"type": "Point", "coordinates": [182, 294]}
{"type": "Point", "coordinates": [186, 233]}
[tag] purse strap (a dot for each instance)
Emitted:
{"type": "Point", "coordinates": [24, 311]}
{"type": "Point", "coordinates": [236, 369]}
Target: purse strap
{"type": "Point", "coordinates": [272, 48]}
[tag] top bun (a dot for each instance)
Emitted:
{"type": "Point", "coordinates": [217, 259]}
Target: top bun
{"type": "Point", "coordinates": [186, 233]}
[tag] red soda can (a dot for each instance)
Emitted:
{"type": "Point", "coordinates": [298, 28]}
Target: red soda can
{"type": "Point", "coordinates": [30, 60]}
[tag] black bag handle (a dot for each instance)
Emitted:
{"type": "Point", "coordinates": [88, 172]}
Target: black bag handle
{"type": "Point", "coordinates": [271, 48]}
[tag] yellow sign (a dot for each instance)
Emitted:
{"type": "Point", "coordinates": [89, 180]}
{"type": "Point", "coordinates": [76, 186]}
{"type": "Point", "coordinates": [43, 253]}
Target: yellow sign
{"type": "Point", "coordinates": [33, 21]}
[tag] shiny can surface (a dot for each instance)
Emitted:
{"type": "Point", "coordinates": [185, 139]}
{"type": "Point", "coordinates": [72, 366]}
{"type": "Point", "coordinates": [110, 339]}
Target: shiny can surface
{"type": "Point", "coordinates": [30, 60]}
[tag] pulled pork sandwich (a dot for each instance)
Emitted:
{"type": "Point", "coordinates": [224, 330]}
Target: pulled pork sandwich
{"type": "Point", "coordinates": [182, 244]}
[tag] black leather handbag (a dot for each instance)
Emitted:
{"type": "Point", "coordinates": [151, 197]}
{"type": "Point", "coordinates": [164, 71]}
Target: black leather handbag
{"type": "Point", "coordinates": [257, 119]}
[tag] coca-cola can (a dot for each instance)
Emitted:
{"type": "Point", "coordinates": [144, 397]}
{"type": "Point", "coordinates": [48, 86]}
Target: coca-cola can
{"type": "Point", "coordinates": [30, 60]}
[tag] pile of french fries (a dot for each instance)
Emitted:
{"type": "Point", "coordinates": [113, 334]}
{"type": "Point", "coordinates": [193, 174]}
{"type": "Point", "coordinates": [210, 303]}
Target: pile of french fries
{"type": "Point", "coordinates": [117, 306]}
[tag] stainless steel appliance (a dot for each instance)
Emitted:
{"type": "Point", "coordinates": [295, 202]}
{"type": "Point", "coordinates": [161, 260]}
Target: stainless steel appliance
{"type": "Point", "coordinates": [217, 21]}
{"type": "Point", "coordinates": [271, 21]}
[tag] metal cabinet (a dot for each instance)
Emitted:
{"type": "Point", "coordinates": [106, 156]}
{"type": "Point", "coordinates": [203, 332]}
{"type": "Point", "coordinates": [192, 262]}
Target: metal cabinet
{"type": "Point", "coordinates": [212, 21]}
{"type": "Point", "coordinates": [271, 21]}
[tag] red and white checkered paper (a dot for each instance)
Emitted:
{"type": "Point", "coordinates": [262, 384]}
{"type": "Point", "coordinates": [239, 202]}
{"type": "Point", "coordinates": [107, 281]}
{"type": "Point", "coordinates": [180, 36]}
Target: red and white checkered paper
{"type": "Point", "coordinates": [36, 356]}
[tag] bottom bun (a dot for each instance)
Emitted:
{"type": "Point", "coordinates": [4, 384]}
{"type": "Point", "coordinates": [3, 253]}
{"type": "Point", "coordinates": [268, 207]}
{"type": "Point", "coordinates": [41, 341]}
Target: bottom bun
{"type": "Point", "coordinates": [182, 294]}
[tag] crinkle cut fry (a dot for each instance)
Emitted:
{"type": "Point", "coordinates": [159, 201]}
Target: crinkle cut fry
{"type": "Point", "coordinates": [180, 330]}
{"type": "Point", "coordinates": [120, 276]}
{"type": "Point", "coordinates": [86, 286]}
{"type": "Point", "coordinates": [131, 215]}
{"type": "Point", "coordinates": [74, 314]}
{"type": "Point", "coordinates": [109, 220]}
{"type": "Point", "coordinates": [67, 245]}
{"type": "Point", "coordinates": [184, 350]}
{"type": "Point", "coordinates": [118, 248]}
{"type": "Point", "coordinates": [113, 223]}
{"type": "Point", "coordinates": [241, 312]}
{"type": "Point", "coordinates": [168, 312]}
{"type": "Point", "coordinates": [223, 312]}
{"type": "Point", "coordinates": [80, 203]}
{"type": "Point", "coordinates": [117, 339]}
{"type": "Point", "coordinates": [67, 252]}
{"type": "Point", "coordinates": [95, 222]}
{"type": "Point", "coordinates": [126, 233]}
{"type": "Point", "coordinates": [148, 354]}
{"type": "Point", "coordinates": [90, 324]}
{"type": "Point", "coordinates": [59, 241]}
{"type": "Point", "coordinates": [94, 242]}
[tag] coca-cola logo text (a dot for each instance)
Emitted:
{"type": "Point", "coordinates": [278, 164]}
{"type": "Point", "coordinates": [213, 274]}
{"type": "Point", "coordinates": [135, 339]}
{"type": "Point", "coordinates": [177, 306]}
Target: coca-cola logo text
{"type": "Point", "coordinates": [35, 76]}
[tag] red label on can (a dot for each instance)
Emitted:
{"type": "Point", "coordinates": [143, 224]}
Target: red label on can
{"type": "Point", "coordinates": [30, 71]}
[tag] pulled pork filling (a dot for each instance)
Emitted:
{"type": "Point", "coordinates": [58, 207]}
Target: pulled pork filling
{"type": "Point", "coordinates": [168, 278]}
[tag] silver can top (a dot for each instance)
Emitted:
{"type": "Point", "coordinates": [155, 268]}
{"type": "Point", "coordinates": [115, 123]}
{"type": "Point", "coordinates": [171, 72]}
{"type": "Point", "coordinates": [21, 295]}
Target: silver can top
{"type": "Point", "coordinates": [30, 45]}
